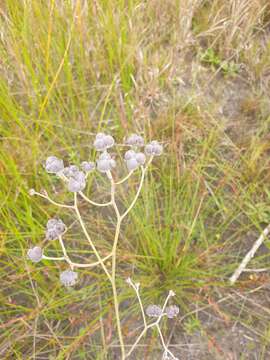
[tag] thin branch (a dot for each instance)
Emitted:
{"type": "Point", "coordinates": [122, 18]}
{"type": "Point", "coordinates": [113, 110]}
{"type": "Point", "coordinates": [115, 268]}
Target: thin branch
{"type": "Point", "coordinates": [74, 264]}
{"type": "Point", "coordinates": [93, 202]}
{"type": "Point", "coordinates": [167, 351]}
{"type": "Point", "coordinates": [156, 323]}
{"type": "Point", "coordinates": [47, 197]}
{"type": "Point", "coordinates": [100, 260]}
{"type": "Point", "coordinates": [125, 178]}
{"type": "Point", "coordinates": [53, 258]}
{"type": "Point", "coordinates": [136, 289]}
{"type": "Point", "coordinates": [137, 194]}
{"type": "Point", "coordinates": [249, 255]}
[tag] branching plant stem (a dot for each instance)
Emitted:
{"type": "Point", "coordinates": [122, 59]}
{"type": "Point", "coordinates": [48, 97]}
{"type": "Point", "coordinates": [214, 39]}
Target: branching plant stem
{"type": "Point", "coordinates": [113, 254]}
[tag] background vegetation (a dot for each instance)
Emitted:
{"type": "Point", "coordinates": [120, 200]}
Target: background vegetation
{"type": "Point", "coordinates": [194, 74]}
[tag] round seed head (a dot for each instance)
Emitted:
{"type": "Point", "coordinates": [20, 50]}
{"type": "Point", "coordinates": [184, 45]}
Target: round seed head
{"type": "Point", "coordinates": [103, 142]}
{"type": "Point", "coordinates": [70, 171]}
{"type": "Point", "coordinates": [54, 228]}
{"type": "Point", "coordinates": [109, 141]}
{"type": "Point", "coordinates": [140, 157]}
{"type": "Point", "coordinates": [53, 165]}
{"type": "Point", "coordinates": [88, 166]}
{"type": "Point", "coordinates": [105, 162]}
{"type": "Point", "coordinates": [135, 140]}
{"type": "Point", "coordinates": [158, 149]}
{"type": "Point", "coordinates": [132, 164]}
{"type": "Point", "coordinates": [172, 311]}
{"type": "Point", "coordinates": [149, 149]}
{"type": "Point", "coordinates": [35, 254]}
{"type": "Point", "coordinates": [154, 148]}
{"type": "Point", "coordinates": [153, 311]}
{"type": "Point", "coordinates": [99, 144]}
{"type": "Point", "coordinates": [130, 154]}
{"type": "Point", "coordinates": [76, 184]}
{"type": "Point", "coordinates": [68, 278]}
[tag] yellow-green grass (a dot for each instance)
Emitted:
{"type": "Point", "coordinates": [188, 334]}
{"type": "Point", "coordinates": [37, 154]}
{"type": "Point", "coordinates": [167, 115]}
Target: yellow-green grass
{"type": "Point", "coordinates": [70, 69]}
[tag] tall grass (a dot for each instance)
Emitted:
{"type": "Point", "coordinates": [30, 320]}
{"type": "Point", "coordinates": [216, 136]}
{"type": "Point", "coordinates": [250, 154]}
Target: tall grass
{"type": "Point", "coordinates": [69, 68]}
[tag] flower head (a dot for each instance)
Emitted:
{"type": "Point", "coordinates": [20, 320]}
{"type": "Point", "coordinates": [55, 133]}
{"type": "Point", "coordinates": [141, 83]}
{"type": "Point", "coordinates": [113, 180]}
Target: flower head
{"type": "Point", "coordinates": [88, 166]}
{"type": "Point", "coordinates": [154, 148]}
{"type": "Point", "coordinates": [134, 159]}
{"type": "Point", "coordinates": [32, 192]}
{"type": "Point", "coordinates": [53, 165]}
{"type": "Point", "coordinates": [68, 278]}
{"type": "Point", "coordinates": [35, 254]}
{"type": "Point", "coordinates": [172, 311]}
{"type": "Point", "coordinates": [105, 162]}
{"type": "Point", "coordinates": [77, 182]}
{"type": "Point", "coordinates": [153, 311]}
{"type": "Point", "coordinates": [54, 229]}
{"type": "Point", "coordinates": [70, 171]}
{"type": "Point", "coordinates": [135, 140]}
{"type": "Point", "coordinates": [103, 142]}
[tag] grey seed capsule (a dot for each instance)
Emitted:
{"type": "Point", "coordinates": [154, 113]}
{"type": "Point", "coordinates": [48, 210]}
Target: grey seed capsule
{"type": "Point", "coordinates": [129, 154]}
{"type": "Point", "coordinates": [76, 185]}
{"type": "Point", "coordinates": [103, 165]}
{"type": "Point", "coordinates": [53, 165]}
{"type": "Point", "coordinates": [55, 228]}
{"type": "Point", "coordinates": [153, 311]}
{"type": "Point", "coordinates": [99, 144]}
{"type": "Point", "coordinates": [135, 140]}
{"type": "Point", "coordinates": [68, 278]}
{"type": "Point", "coordinates": [132, 164]}
{"type": "Point", "coordinates": [149, 149]}
{"type": "Point", "coordinates": [109, 141]}
{"type": "Point", "coordinates": [154, 148]}
{"type": "Point", "coordinates": [70, 171]}
{"type": "Point", "coordinates": [140, 157]}
{"type": "Point", "coordinates": [35, 254]}
{"type": "Point", "coordinates": [172, 311]}
{"type": "Point", "coordinates": [88, 166]}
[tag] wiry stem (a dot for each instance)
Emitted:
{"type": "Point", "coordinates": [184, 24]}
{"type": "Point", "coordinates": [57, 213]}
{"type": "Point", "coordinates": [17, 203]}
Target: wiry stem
{"type": "Point", "coordinates": [93, 202]}
{"type": "Point", "coordinates": [47, 197]}
{"type": "Point", "coordinates": [113, 272]}
{"type": "Point", "coordinates": [136, 288]}
{"type": "Point", "coordinates": [75, 264]}
{"type": "Point", "coordinates": [137, 194]}
{"type": "Point", "coordinates": [125, 178]}
{"type": "Point", "coordinates": [88, 237]}
{"type": "Point", "coordinates": [112, 276]}
{"type": "Point", "coordinates": [154, 324]}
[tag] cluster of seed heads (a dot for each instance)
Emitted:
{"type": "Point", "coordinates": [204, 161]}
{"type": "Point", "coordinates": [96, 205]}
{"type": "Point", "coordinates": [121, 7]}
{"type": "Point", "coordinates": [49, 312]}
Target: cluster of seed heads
{"type": "Point", "coordinates": [75, 178]}
{"type": "Point", "coordinates": [156, 311]}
